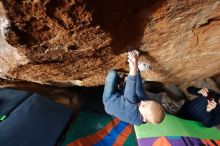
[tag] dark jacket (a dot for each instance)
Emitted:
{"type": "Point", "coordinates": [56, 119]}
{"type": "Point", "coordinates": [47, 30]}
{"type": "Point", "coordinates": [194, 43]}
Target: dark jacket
{"type": "Point", "coordinates": [196, 109]}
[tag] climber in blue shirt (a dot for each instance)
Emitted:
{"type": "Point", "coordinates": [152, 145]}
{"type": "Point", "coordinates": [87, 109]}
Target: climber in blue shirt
{"type": "Point", "coordinates": [205, 108]}
{"type": "Point", "coordinates": [130, 104]}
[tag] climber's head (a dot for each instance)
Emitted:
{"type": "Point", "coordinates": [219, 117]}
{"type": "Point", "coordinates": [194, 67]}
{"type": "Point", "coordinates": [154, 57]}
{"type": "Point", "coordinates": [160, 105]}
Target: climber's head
{"type": "Point", "coordinates": [151, 111]}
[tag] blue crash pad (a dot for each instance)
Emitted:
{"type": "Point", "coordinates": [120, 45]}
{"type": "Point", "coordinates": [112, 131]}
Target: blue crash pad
{"type": "Point", "coordinates": [38, 121]}
{"type": "Point", "coordinates": [10, 99]}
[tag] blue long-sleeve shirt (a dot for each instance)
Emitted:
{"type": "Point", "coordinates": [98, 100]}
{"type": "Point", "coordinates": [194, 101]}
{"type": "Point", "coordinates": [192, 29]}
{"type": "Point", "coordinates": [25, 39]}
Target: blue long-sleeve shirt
{"type": "Point", "coordinates": [196, 109]}
{"type": "Point", "coordinates": [125, 106]}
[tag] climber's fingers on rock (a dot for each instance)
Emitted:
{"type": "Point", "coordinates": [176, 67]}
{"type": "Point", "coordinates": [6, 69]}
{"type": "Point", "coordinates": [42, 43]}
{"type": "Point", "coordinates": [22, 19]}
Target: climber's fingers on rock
{"type": "Point", "coordinates": [134, 56]}
{"type": "Point", "coordinates": [130, 56]}
{"type": "Point", "coordinates": [137, 53]}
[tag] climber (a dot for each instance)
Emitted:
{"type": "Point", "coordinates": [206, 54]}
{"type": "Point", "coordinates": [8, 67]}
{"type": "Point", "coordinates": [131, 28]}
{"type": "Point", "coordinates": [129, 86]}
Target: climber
{"type": "Point", "coordinates": [205, 108]}
{"type": "Point", "coordinates": [129, 103]}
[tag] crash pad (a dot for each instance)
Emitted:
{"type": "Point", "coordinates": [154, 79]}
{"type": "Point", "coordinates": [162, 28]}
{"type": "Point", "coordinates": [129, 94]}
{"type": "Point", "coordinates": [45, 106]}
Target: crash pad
{"type": "Point", "coordinates": [99, 129]}
{"type": "Point", "coordinates": [174, 129]}
{"type": "Point", "coordinates": [37, 121]}
{"type": "Point", "coordinates": [10, 99]}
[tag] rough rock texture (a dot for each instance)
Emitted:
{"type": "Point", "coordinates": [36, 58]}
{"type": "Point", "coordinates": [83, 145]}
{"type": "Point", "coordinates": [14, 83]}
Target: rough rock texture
{"type": "Point", "coordinates": [75, 42]}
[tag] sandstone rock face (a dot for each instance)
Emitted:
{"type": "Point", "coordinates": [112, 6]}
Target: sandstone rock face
{"type": "Point", "coordinates": [75, 42]}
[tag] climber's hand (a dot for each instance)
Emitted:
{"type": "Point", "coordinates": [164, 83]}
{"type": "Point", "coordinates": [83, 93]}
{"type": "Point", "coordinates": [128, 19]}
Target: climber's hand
{"type": "Point", "coordinates": [204, 92]}
{"type": "Point", "coordinates": [133, 62]}
{"type": "Point", "coordinates": [211, 105]}
{"type": "Point", "coordinates": [136, 53]}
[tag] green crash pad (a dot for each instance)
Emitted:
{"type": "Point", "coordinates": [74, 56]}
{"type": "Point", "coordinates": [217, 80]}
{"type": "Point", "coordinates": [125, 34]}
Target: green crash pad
{"type": "Point", "coordinates": [174, 126]}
